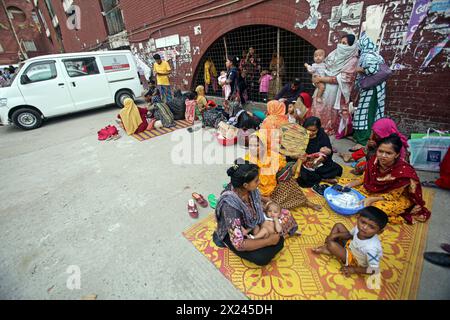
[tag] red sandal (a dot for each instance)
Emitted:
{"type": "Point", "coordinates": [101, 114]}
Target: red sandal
{"type": "Point", "coordinates": [200, 200]}
{"type": "Point", "coordinates": [192, 209]}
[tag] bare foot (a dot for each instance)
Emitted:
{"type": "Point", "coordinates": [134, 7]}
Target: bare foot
{"type": "Point", "coordinates": [321, 250]}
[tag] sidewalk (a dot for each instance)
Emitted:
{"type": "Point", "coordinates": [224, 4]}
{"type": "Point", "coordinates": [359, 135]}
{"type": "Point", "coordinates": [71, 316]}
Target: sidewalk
{"type": "Point", "coordinates": [117, 210]}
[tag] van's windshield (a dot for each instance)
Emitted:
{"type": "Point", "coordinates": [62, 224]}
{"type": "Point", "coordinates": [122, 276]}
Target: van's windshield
{"type": "Point", "coordinates": [7, 82]}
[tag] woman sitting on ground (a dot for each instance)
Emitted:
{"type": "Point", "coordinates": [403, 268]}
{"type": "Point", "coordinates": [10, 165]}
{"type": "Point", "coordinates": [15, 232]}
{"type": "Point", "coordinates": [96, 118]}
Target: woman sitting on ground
{"type": "Point", "coordinates": [320, 153]}
{"type": "Point", "coordinates": [159, 110]}
{"type": "Point", "coordinates": [382, 128]}
{"type": "Point", "coordinates": [134, 119]}
{"type": "Point", "coordinates": [276, 117]}
{"type": "Point", "coordinates": [287, 193]}
{"type": "Point", "coordinates": [239, 208]}
{"type": "Point", "coordinates": [392, 185]}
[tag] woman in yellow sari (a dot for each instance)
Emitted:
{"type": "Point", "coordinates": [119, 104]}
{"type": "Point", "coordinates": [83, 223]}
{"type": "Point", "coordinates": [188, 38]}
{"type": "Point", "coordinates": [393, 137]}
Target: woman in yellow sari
{"type": "Point", "coordinates": [287, 194]}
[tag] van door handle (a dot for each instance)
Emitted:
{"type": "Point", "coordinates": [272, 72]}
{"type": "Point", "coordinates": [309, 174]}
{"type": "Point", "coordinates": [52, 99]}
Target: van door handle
{"type": "Point", "coordinates": [61, 84]}
{"type": "Point", "coordinates": [74, 84]}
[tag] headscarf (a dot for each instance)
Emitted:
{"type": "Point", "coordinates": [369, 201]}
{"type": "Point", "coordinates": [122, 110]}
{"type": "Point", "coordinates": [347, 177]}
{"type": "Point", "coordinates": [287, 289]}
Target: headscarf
{"type": "Point", "coordinates": [401, 174]}
{"type": "Point", "coordinates": [385, 127]}
{"type": "Point", "coordinates": [130, 116]}
{"type": "Point", "coordinates": [269, 162]}
{"type": "Point", "coordinates": [307, 101]}
{"type": "Point", "coordinates": [201, 99]}
{"type": "Point", "coordinates": [321, 140]}
{"type": "Point", "coordinates": [339, 58]}
{"type": "Point", "coordinates": [233, 200]}
{"type": "Point", "coordinates": [368, 53]}
{"type": "Point", "coordinates": [276, 117]}
{"type": "Point", "coordinates": [200, 91]}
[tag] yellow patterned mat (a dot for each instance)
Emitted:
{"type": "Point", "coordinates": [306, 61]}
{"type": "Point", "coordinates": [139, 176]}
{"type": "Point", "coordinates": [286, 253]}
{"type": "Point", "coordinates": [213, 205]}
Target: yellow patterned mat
{"type": "Point", "coordinates": [297, 273]}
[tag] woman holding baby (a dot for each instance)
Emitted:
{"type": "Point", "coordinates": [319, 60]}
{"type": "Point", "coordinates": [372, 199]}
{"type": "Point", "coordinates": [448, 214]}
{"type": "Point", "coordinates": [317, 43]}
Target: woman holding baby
{"type": "Point", "coordinates": [339, 78]}
{"type": "Point", "coordinates": [240, 209]}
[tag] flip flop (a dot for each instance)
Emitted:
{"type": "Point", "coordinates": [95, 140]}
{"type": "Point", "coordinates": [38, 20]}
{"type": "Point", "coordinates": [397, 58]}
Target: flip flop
{"type": "Point", "coordinates": [212, 201]}
{"type": "Point", "coordinates": [192, 209]}
{"type": "Point", "coordinates": [200, 199]}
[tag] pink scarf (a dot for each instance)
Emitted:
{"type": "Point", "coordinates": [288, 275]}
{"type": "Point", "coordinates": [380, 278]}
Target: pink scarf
{"type": "Point", "coordinates": [385, 127]}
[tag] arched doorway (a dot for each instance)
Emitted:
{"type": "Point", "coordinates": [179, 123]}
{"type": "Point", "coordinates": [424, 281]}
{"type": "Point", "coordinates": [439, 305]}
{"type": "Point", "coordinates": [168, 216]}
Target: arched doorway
{"type": "Point", "coordinates": [266, 41]}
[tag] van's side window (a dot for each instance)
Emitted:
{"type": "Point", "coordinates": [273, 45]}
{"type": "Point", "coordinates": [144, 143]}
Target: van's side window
{"type": "Point", "coordinates": [81, 67]}
{"type": "Point", "coordinates": [40, 71]}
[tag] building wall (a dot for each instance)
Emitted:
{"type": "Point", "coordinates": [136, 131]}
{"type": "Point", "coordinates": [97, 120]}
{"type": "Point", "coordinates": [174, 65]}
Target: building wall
{"type": "Point", "coordinates": [28, 30]}
{"type": "Point", "coordinates": [91, 33]}
{"type": "Point", "coordinates": [416, 99]}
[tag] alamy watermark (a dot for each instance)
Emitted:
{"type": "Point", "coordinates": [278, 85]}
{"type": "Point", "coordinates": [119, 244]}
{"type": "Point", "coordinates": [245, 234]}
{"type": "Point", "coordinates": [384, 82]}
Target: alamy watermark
{"type": "Point", "coordinates": [74, 280]}
{"type": "Point", "coordinates": [74, 20]}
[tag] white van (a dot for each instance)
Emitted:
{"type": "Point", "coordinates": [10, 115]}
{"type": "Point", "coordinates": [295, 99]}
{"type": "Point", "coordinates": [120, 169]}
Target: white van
{"type": "Point", "coordinates": [54, 85]}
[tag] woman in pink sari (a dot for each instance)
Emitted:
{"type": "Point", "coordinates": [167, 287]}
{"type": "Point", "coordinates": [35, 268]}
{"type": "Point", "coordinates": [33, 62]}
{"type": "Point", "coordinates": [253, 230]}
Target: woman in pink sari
{"type": "Point", "coordinates": [341, 67]}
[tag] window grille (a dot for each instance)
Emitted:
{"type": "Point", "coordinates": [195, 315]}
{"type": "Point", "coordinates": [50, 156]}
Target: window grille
{"type": "Point", "coordinates": [294, 50]}
{"type": "Point", "coordinates": [113, 16]}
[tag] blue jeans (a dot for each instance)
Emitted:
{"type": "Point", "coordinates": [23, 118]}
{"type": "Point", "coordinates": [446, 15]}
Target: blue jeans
{"type": "Point", "coordinates": [166, 94]}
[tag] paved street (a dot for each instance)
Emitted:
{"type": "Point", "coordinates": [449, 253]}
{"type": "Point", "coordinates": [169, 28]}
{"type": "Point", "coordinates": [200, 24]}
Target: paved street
{"type": "Point", "coordinates": [117, 210]}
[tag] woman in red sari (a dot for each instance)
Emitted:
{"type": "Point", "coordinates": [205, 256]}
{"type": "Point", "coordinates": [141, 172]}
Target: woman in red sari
{"type": "Point", "coordinates": [392, 185]}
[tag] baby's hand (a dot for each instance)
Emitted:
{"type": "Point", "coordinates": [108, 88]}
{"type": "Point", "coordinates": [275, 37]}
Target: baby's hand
{"type": "Point", "coordinates": [323, 150]}
{"type": "Point", "coordinates": [306, 65]}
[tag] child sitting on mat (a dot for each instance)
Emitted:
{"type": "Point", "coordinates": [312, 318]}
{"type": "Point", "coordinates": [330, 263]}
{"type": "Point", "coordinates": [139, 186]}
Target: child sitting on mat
{"type": "Point", "coordinates": [359, 249]}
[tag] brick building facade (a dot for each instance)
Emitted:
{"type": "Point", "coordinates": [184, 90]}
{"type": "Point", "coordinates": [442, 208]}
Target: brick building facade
{"type": "Point", "coordinates": [29, 29]}
{"type": "Point", "coordinates": [184, 30]}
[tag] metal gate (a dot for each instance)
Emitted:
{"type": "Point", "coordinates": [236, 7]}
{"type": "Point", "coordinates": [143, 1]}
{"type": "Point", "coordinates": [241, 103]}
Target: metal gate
{"type": "Point", "coordinates": [268, 42]}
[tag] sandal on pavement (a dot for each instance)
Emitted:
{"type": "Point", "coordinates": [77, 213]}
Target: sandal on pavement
{"type": "Point", "coordinates": [212, 201]}
{"type": "Point", "coordinates": [192, 209]}
{"type": "Point", "coordinates": [200, 200]}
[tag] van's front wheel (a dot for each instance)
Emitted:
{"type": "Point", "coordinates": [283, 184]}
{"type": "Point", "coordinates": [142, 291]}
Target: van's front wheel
{"type": "Point", "coordinates": [121, 96]}
{"type": "Point", "coordinates": [27, 119]}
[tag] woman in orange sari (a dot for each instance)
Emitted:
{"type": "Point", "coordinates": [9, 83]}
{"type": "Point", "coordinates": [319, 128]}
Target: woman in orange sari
{"type": "Point", "coordinates": [276, 117]}
{"type": "Point", "coordinates": [287, 194]}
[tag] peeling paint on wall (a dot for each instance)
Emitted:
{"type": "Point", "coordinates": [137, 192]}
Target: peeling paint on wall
{"type": "Point", "coordinates": [419, 13]}
{"type": "Point", "coordinates": [374, 18]}
{"type": "Point", "coordinates": [198, 30]}
{"type": "Point", "coordinates": [314, 16]}
{"type": "Point", "coordinates": [345, 17]}
{"type": "Point", "coordinates": [440, 7]}
{"type": "Point", "coordinates": [196, 50]}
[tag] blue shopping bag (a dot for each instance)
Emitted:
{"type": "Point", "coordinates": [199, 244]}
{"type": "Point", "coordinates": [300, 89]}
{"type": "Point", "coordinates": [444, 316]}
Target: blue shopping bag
{"type": "Point", "coordinates": [428, 151]}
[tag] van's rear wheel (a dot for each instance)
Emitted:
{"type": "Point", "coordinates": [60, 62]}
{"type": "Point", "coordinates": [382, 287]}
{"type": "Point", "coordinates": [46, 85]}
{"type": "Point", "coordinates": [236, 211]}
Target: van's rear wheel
{"type": "Point", "coordinates": [121, 96]}
{"type": "Point", "coordinates": [27, 119]}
